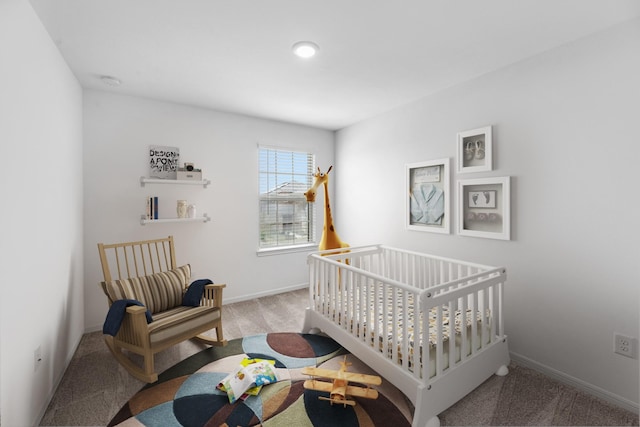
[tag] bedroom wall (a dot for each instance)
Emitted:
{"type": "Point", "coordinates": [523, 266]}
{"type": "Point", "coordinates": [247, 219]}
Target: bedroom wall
{"type": "Point", "coordinates": [118, 131]}
{"type": "Point", "coordinates": [41, 192]}
{"type": "Point", "coordinates": [565, 129]}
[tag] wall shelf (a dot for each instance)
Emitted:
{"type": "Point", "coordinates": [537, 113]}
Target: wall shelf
{"type": "Point", "coordinates": [144, 180]}
{"type": "Point", "coordinates": [144, 220]}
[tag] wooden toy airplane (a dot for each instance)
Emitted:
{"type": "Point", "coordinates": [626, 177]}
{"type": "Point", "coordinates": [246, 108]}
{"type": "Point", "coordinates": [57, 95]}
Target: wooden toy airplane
{"type": "Point", "coordinates": [339, 389]}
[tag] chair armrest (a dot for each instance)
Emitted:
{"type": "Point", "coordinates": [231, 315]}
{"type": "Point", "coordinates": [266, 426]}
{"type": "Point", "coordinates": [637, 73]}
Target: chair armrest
{"type": "Point", "coordinates": [135, 309]}
{"type": "Point", "coordinates": [213, 295]}
{"type": "Point", "coordinates": [134, 329]}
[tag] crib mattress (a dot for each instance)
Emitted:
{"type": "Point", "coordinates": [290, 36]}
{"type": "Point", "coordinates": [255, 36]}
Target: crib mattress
{"type": "Point", "coordinates": [393, 324]}
{"type": "Point", "coordinates": [387, 323]}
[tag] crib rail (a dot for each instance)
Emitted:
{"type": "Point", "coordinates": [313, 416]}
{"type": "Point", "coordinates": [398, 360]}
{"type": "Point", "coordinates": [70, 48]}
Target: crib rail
{"type": "Point", "coordinates": [427, 314]}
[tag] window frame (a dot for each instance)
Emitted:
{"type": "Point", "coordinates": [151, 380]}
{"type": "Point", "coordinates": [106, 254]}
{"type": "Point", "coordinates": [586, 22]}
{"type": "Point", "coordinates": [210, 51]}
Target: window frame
{"type": "Point", "coordinates": [264, 188]}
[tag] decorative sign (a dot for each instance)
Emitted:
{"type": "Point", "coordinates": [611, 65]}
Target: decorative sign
{"type": "Point", "coordinates": [163, 162]}
{"type": "Point", "coordinates": [426, 174]}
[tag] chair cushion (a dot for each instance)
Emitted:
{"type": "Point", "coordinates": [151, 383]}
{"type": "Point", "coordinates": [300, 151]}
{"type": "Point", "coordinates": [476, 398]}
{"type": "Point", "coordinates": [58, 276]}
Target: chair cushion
{"type": "Point", "coordinates": [176, 321]}
{"type": "Point", "coordinates": [158, 292]}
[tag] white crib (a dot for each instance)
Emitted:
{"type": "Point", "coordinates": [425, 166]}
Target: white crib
{"type": "Point", "coordinates": [395, 310]}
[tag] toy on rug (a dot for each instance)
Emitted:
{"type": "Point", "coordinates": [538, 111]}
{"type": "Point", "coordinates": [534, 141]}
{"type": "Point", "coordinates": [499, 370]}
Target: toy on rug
{"type": "Point", "coordinates": [330, 238]}
{"type": "Point", "coordinates": [339, 389]}
{"type": "Point", "coordinates": [248, 378]}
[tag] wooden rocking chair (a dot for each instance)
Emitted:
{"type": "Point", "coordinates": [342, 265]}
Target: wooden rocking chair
{"type": "Point", "coordinates": [145, 277]}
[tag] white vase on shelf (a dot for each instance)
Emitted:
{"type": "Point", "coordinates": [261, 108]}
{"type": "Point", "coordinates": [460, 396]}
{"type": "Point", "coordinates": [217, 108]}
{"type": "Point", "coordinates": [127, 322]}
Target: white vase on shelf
{"type": "Point", "coordinates": [191, 211]}
{"type": "Point", "coordinates": [182, 208]}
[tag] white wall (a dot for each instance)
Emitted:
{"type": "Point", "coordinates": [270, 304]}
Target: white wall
{"type": "Point", "coordinates": [565, 128]}
{"type": "Point", "coordinates": [118, 132]}
{"type": "Point", "coordinates": [41, 214]}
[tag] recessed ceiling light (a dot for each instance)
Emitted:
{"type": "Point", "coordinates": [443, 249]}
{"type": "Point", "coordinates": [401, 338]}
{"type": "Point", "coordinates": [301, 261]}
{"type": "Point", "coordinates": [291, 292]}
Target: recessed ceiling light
{"type": "Point", "coordinates": [110, 80]}
{"type": "Point", "coordinates": [305, 49]}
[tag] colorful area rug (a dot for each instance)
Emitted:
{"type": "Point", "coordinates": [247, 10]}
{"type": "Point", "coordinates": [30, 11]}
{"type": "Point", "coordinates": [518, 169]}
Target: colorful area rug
{"type": "Point", "coordinates": [186, 395]}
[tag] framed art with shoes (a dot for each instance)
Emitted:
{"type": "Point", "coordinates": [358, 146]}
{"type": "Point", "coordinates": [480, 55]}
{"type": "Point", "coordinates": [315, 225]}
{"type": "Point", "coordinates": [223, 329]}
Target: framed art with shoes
{"type": "Point", "coordinates": [475, 150]}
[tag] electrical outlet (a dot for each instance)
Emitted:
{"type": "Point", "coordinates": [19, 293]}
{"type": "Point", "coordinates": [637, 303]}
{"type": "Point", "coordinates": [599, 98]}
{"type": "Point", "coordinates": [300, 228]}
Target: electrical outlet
{"type": "Point", "coordinates": [624, 345]}
{"type": "Point", "coordinates": [37, 358]}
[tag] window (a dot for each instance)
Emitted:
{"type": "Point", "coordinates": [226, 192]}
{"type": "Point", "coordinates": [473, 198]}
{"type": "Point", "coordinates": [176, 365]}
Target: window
{"type": "Point", "coordinates": [286, 219]}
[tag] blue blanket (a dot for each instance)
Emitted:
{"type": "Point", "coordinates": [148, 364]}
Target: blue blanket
{"type": "Point", "coordinates": [194, 292]}
{"type": "Point", "coordinates": [116, 314]}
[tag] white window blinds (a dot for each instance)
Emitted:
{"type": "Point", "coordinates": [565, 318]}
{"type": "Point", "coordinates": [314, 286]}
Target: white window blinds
{"type": "Point", "coordinates": [286, 219]}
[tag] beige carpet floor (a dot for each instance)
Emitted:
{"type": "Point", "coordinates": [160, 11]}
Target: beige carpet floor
{"type": "Point", "coordinates": [95, 387]}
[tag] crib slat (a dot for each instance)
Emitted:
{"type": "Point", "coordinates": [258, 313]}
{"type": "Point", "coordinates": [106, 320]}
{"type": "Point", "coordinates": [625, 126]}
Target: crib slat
{"type": "Point", "coordinates": [362, 335]}
{"type": "Point", "coordinates": [463, 332]}
{"type": "Point", "coordinates": [355, 325]}
{"type": "Point", "coordinates": [421, 349]}
{"type": "Point", "coordinates": [411, 269]}
{"type": "Point", "coordinates": [321, 289]}
{"type": "Point", "coordinates": [492, 312]}
{"type": "Point", "coordinates": [383, 308]}
{"type": "Point", "coordinates": [345, 282]}
{"type": "Point", "coordinates": [335, 293]}
{"type": "Point", "coordinates": [311, 264]}
{"type": "Point", "coordinates": [406, 319]}
{"type": "Point", "coordinates": [340, 298]}
{"type": "Point", "coordinates": [439, 343]}
{"type": "Point", "coordinates": [500, 316]}
{"type": "Point", "coordinates": [394, 325]}
{"type": "Point", "coordinates": [452, 335]}
{"type": "Point", "coordinates": [483, 321]}
{"type": "Point", "coordinates": [474, 323]}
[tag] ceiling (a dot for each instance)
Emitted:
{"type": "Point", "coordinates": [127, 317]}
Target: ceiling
{"type": "Point", "coordinates": [375, 55]}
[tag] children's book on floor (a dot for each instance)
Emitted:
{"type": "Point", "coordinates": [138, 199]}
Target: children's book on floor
{"type": "Point", "coordinates": [248, 378]}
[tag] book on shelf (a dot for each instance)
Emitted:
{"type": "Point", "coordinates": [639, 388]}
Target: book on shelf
{"type": "Point", "coordinates": [152, 207]}
{"type": "Point", "coordinates": [155, 208]}
{"type": "Point", "coordinates": [248, 378]}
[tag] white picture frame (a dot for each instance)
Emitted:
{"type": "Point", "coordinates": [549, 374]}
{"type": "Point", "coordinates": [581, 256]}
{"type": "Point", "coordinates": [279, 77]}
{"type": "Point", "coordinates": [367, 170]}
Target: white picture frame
{"type": "Point", "coordinates": [428, 196]}
{"type": "Point", "coordinates": [488, 215]}
{"type": "Point", "coordinates": [163, 162]}
{"type": "Point", "coordinates": [475, 150]}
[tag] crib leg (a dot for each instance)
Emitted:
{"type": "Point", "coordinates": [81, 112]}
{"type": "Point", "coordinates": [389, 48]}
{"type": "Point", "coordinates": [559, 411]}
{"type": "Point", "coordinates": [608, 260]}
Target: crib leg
{"type": "Point", "coordinates": [502, 371]}
{"type": "Point", "coordinates": [420, 415]}
{"type": "Point", "coordinates": [433, 422]}
{"type": "Point", "coordinates": [307, 327]}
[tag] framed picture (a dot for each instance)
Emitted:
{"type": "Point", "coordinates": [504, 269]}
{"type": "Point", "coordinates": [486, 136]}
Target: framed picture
{"type": "Point", "coordinates": [482, 199]}
{"type": "Point", "coordinates": [427, 203]}
{"type": "Point", "coordinates": [484, 207]}
{"type": "Point", "coordinates": [475, 150]}
{"type": "Point", "coordinates": [163, 162]}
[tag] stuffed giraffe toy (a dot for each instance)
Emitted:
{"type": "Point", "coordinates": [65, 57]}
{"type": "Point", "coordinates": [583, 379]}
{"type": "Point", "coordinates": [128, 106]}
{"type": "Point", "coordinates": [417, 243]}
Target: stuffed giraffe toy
{"type": "Point", "coordinates": [330, 238]}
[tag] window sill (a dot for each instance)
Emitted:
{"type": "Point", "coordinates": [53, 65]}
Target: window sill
{"type": "Point", "coordinates": [287, 249]}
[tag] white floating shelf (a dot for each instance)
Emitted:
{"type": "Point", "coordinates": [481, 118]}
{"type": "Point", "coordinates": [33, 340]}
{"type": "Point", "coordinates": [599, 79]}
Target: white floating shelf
{"type": "Point", "coordinates": [144, 181]}
{"type": "Point", "coordinates": [144, 220]}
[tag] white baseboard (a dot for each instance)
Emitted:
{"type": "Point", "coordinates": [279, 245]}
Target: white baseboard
{"type": "Point", "coordinates": [268, 293]}
{"type": "Point", "coordinates": [577, 383]}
